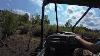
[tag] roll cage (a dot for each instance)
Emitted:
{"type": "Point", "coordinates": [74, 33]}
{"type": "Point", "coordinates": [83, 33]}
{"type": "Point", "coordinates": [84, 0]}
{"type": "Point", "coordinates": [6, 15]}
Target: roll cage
{"type": "Point", "coordinates": [88, 3]}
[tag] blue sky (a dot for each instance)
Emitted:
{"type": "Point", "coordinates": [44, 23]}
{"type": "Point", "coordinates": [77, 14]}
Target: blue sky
{"type": "Point", "coordinates": [65, 12]}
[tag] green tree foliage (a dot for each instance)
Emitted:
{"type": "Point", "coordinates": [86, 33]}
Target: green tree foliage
{"type": "Point", "coordinates": [36, 24]}
{"type": "Point", "coordinates": [37, 20]}
{"type": "Point", "coordinates": [23, 23]}
{"type": "Point", "coordinates": [9, 22]}
{"type": "Point", "coordinates": [23, 19]}
{"type": "Point", "coordinates": [46, 20]}
{"type": "Point", "coordinates": [68, 23]}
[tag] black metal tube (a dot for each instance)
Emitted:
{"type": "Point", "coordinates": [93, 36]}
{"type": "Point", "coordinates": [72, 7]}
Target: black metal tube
{"type": "Point", "coordinates": [56, 16]}
{"type": "Point", "coordinates": [42, 19]}
{"type": "Point", "coordinates": [89, 3]}
{"type": "Point", "coordinates": [80, 19]}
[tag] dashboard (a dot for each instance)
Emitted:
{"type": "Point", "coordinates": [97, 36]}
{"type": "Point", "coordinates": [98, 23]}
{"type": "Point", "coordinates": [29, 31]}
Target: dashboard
{"type": "Point", "coordinates": [61, 43]}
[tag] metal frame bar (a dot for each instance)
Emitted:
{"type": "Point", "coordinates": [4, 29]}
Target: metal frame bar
{"type": "Point", "coordinates": [56, 16]}
{"type": "Point", "coordinates": [42, 33]}
{"type": "Point", "coordinates": [89, 3]}
{"type": "Point", "coordinates": [80, 19]}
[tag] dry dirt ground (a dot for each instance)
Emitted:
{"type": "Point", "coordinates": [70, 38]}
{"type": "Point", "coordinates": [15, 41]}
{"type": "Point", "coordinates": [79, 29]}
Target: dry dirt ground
{"type": "Point", "coordinates": [20, 45]}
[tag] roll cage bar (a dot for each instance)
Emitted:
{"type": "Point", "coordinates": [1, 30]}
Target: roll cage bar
{"type": "Point", "coordinates": [88, 3]}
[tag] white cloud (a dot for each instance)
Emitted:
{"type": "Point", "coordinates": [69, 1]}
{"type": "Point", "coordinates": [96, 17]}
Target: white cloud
{"type": "Point", "coordinates": [37, 2]}
{"type": "Point", "coordinates": [60, 23]}
{"type": "Point", "coordinates": [50, 7]}
{"type": "Point", "coordinates": [90, 20]}
{"type": "Point", "coordinates": [46, 12]}
{"type": "Point", "coordinates": [60, 7]}
{"type": "Point", "coordinates": [8, 3]}
{"type": "Point", "coordinates": [75, 12]}
{"type": "Point", "coordinates": [18, 11]}
{"type": "Point", "coordinates": [72, 7]}
{"type": "Point", "coordinates": [92, 23]}
{"type": "Point", "coordinates": [21, 12]}
{"type": "Point", "coordinates": [72, 12]}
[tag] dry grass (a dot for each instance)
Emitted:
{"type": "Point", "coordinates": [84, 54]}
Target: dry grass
{"type": "Point", "coordinates": [18, 44]}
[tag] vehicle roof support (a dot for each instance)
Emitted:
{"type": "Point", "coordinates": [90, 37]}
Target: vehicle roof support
{"type": "Point", "coordinates": [80, 19]}
{"type": "Point", "coordinates": [56, 16]}
{"type": "Point", "coordinates": [42, 33]}
{"type": "Point", "coordinates": [89, 3]}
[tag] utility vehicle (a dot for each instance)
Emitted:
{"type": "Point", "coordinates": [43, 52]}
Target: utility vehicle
{"type": "Point", "coordinates": [62, 43]}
